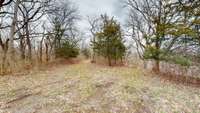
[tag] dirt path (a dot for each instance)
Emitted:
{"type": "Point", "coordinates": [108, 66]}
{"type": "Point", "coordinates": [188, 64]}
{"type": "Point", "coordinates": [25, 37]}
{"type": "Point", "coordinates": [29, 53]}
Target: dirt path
{"type": "Point", "coordinates": [88, 88]}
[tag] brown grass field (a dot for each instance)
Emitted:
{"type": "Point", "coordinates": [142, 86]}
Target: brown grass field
{"type": "Point", "coordinates": [82, 87]}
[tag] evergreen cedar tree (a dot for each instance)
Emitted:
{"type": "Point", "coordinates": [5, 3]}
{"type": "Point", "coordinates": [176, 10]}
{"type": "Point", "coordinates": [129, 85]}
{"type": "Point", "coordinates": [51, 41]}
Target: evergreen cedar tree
{"type": "Point", "coordinates": [109, 42]}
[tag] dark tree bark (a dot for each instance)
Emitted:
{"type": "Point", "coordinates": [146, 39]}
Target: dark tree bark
{"type": "Point", "coordinates": [22, 47]}
{"type": "Point", "coordinates": [47, 52]}
{"type": "Point", "coordinates": [3, 3]}
{"type": "Point", "coordinates": [41, 50]}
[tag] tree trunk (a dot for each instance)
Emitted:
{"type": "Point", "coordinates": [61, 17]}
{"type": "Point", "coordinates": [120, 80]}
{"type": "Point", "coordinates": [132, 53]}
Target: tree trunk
{"type": "Point", "coordinates": [47, 52]}
{"type": "Point", "coordinates": [115, 58]}
{"type": "Point", "coordinates": [122, 60]}
{"type": "Point", "coordinates": [55, 46]}
{"type": "Point", "coordinates": [156, 68]}
{"type": "Point", "coordinates": [29, 49]}
{"type": "Point", "coordinates": [22, 48]}
{"type": "Point", "coordinates": [4, 60]}
{"type": "Point", "coordinates": [4, 47]}
{"type": "Point", "coordinates": [94, 53]}
{"type": "Point", "coordinates": [41, 51]}
{"type": "Point", "coordinates": [28, 40]}
{"type": "Point", "coordinates": [157, 59]}
{"type": "Point", "coordinates": [12, 32]}
{"type": "Point", "coordinates": [109, 61]}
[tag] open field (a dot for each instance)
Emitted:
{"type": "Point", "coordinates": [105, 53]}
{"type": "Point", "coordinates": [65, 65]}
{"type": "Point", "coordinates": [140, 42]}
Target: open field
{"type": "Point", "coordinates": [89, 88]}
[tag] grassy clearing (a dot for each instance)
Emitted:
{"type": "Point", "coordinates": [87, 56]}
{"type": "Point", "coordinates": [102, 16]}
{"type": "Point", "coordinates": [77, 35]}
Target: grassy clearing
{"type": "Point", "coordinates": [90, 88]}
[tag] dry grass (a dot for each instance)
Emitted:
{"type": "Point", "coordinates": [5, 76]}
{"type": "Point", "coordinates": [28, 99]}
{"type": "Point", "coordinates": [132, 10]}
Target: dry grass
{"type": "Point", "coordinates": [90, 88]}
{"type": "Point", "coordinates": [19, 66]}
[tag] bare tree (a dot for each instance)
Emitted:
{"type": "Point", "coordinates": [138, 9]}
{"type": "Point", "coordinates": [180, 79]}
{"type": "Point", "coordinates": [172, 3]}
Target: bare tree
{"type": "Point", "coordinates": [23, 19]}
{"type": "Point", "coordinates": [62, 15]}
{"type": "Point", "coordinates": [94, 28]}
{"type": "Point", "coordinates": [4, 46]}
{"type": "Point", "coordinates": [31, 12]}
{"type": "Point", "coordinates": [13, 30]}
{"type": "Point", "coordinates": [153, 22]}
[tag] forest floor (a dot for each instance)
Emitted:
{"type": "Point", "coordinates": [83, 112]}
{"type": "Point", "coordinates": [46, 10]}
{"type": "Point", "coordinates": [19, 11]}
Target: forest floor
{"type": "Point", "coordinates": [91, 88]}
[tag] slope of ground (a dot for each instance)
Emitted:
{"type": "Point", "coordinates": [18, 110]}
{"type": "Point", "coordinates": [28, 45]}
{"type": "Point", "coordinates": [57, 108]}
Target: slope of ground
{"type": "Point", "coordinates": [88, 88]}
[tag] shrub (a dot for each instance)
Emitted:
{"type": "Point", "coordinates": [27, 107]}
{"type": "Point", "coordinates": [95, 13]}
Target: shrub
{"type": "Point", "coordinates": [181, 60]}
{"type": "Point", "coordinates": [151, 53]}
{"type": "Point", "coordinates": [67, 50]}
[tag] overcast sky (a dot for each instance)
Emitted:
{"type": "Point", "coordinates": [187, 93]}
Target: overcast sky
{"type": "Point", "coordinates": [98, 7]}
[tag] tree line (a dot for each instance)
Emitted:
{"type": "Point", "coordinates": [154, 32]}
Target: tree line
{"type": "Point", "coordinates": [36, 30]}
{"type": "Point", "coordinates": [165, 29]}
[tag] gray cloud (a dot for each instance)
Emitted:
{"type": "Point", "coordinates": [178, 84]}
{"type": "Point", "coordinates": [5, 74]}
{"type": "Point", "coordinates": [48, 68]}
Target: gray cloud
{"type": "Point", "coordinates": [97, 7]}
